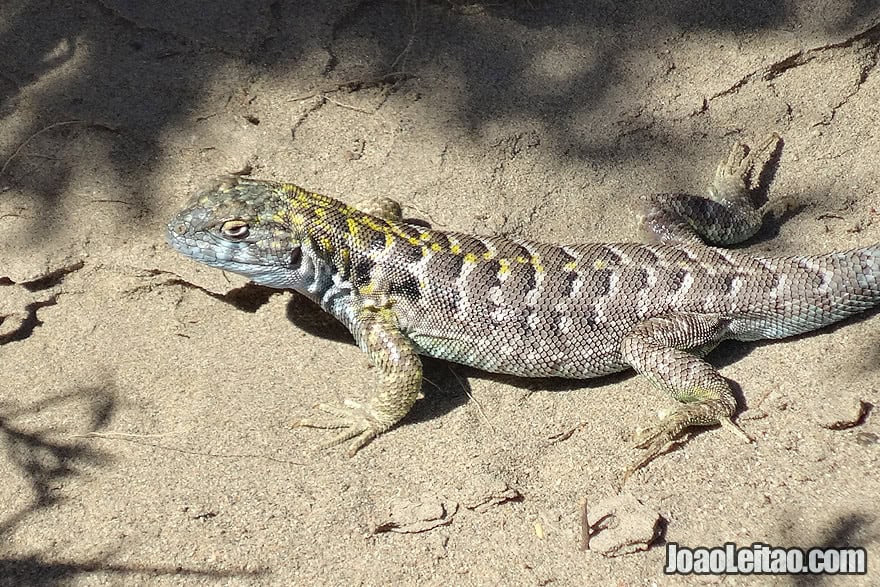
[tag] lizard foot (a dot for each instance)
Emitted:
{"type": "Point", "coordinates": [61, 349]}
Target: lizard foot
{"type": "Point", "coordinates": [658, 439]}
{"type": "Point", "coordinates": [359, 422]}
{"type": "Point", "coordinates": [732, 175]}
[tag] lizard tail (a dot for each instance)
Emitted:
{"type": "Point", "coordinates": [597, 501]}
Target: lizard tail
{"type": "Point", "coordinates": [815, 291]}
{"type": "Point", "coordinates": [855, 279]}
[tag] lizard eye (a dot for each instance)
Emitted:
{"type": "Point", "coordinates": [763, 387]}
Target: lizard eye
{"type": "Point", "coordinates": [235, 229]}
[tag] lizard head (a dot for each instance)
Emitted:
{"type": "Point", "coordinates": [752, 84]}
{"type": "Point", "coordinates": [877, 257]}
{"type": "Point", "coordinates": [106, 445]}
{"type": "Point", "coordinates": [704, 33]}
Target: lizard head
{"type": "Point", "coordinates": [239, 225]}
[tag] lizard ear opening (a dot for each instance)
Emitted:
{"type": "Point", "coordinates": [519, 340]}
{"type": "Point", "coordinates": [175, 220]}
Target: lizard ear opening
{"type": "Point", "coordinates": [296, 257]}
{"type": "Point", "coordinates": [235, 229]}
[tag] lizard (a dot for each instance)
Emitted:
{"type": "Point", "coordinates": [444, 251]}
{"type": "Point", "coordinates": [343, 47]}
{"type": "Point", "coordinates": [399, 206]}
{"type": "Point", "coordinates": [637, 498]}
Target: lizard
{"type": "Point", "coordinates": [514, 306]}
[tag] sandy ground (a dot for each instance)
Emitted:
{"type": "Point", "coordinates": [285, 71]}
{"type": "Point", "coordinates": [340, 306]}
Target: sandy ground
{"type": "Point", "coordinates": [146, 401]}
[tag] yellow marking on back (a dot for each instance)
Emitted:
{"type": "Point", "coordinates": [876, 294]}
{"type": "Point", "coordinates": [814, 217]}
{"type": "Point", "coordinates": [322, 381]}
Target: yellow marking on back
{"type": "Point", "coordinates": [536, 263]}
{"type": "Point", "coordinates": [600, 264]}
{"type": "Point", "coordinates": [358, 221]}
{"type": "Point", "coordinates": [504, 268]}
{"type": "Point", "coordinates": [323, 224]}
{"type": "Point", "coordinates": [345, 209]}
{"type": "Point", "coordinates": [470, 258]}
{"type": "Point", "coordinates": [361, 228]}
{"type": "Point", "coordinates": [570, 266]}
{"type": "Point", "coordinates": [353, 227]}
{"type": "Point", "coordinates": [318, 203]}
{"type": "Point", "coordinates": [372, 223]}
{"type": "Point", "coordinates": [425, 236]}
{"type": "Point", "coordinates": [436, 247]}
{"type": "Point", "coordinates": [489, 255]}
{"type": "Point", "coordinates": [290, 216]}
{"type": "Point", "coordinates": [455, 248]}
{"type": "Point", "coordinates": [296, 219]}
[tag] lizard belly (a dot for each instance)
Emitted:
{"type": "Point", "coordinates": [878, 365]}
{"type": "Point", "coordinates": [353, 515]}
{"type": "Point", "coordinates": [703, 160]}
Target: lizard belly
{"type": "Point", "coordinates": [517, 350]}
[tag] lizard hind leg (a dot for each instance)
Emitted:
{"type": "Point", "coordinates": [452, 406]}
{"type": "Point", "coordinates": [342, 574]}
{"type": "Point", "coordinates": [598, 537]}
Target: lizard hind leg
{"type": "Point", "coordinates": [658, 348]}
{"type": "Point", "coordinates": [727, 216]}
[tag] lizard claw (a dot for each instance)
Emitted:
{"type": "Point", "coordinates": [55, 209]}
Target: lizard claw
{"type": "Point", "coordinates": [662, 437]}
{"type": "Point", "coordinates": [655, 440]}
{"type": "Point", "coordinates": [357, 421]}
{"type": "Point", "coordinates": [728, 424]}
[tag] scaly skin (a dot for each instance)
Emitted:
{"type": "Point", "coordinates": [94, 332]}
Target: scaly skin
{"type": "Point", "coordinates": [510, 305]}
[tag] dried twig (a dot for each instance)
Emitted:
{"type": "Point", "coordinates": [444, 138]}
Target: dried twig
{"type": "Point", "coordinates": [52, 126]}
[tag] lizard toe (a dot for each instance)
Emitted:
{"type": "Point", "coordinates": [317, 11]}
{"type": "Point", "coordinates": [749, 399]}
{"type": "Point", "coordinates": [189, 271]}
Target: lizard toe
{"type": "Point", "coordinates": [356, 421]}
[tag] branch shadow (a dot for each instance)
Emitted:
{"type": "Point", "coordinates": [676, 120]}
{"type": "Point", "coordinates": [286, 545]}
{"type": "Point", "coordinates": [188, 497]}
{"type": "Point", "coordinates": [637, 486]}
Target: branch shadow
{"type": "Point", "coordinates": [142, 69]}
{"type": "Point", "coordinates": [34, 571]}
{"type": "Point", "coordinates": [46, 461]}
{"type": "Point", "coordinates": [845, 531]}
{"type": "Point", "coordinates": [43, 459]}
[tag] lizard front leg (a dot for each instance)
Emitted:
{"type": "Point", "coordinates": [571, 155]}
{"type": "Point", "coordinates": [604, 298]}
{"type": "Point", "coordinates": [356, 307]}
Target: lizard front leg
{"type": "Point", "coordinates": [381, 207]}
{"type": "Point", "coordinates": [658, 348]}
{"type": "Point", "coordinates": [377, 334]}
